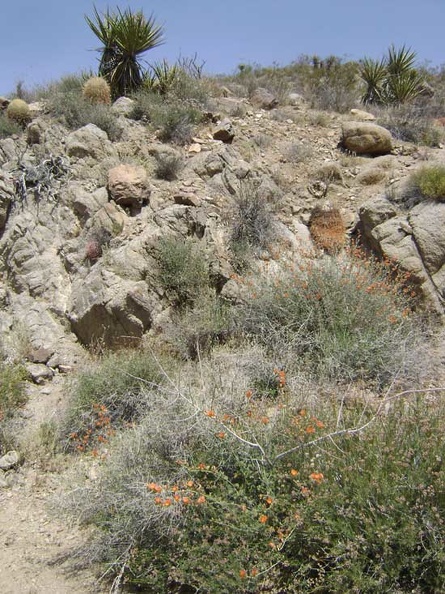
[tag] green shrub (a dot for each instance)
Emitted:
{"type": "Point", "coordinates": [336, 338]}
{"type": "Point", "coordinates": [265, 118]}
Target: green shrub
{"type": "Point", "coordinates": [183, 270]}
{"type": "Point", "coordinates": [340, 317]}
{"type": "Point", "coordinates": [8, 127]}
{"type": "Point", "coordinates": [168, 166]}
{"type": "Point", "coordinates": [75, 111]}
{"type": "Point", "coordinates": [410, 123]}
{"type": "Point", "coordinates": [429, 182]}
{"type": "Point", "coordinates": [112, 394]}
{"type": "Point", "coordinates": [12, 397]}
{"type": "Point", "coordinates": [252, 224]}
{"type": "Point", "coordinates": [322, 497]}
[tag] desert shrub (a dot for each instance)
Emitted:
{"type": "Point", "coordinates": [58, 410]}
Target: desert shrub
{"type": "Point", "coordinates": [340, 317]}
{"type": "Point", "coordinates": [196, 331]}
{"type": "Point", "coordinates": [183, 270]}
{"type": "Point", "coordinates": [12, 397]}
{"type": "Point", "coordinates": [410, 123]}
{"type": "Point", "coordinates": [113, 393]}
{"type": "Point", "coordinates": [12, 389]}
{"type": "Point", "coordinates": [75, 111]}
{"type": "Point", "coordinates": [428, 182]}
{"type": "Point", "coordinates": [297, 152]}
{"type": "Point", "coordinates": [168, 166]}
{"type": "Point", "coordinates": [174, 119]}
{"type": "Point", "coordinates": [252, 224]}
{"type": "Point", "coordinates": [8, 127]}
{"type": "Point", "coordinates": [329, 84]}
{"type": "Point", "coordinates": [323, 497]}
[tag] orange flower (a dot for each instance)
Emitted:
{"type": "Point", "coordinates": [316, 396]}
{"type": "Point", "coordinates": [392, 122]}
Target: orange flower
{"type": "Point", "coordinates": [210, 413]}
{"type": "Point", "coordinates": [317, 477]}
{"type": "Point", "coordinates": [293, 472]}
{"type": "Point", "coordinates": [242, 574]}
{"type": "Point", "coordinates": [190, 484]}
{"type": "Point", "coordinates": [263, 519]}
{"type": "Point", "coordinates": [269, 500]}
{"type": "Point", "coordinates": [186, 500]}
{"type": "Point", "coordinates": [201, 499]}
{"type": "Point", "coordinates": [201, 466]}
{"type": "Point", "coordinates": [253, 571]}
{"type": "Point", "coordinates": [302, 412]}
{"type": "Point", "coordinates": [167, 502]}
{"type": "Point", "coordinates": [249, 394]}
{"type": "Point", "coordinates": [221, 435]}
{"type": "Point", "coordinates": [305, 491]}
{"type": "Point", "coordinates": [265, 420]}
{"type": "Point", "coordinates": [158, 500]}
{"type": "Point", "coordinates": [319, 424]}
{"type": "Point", "coordinates": [310, 429]}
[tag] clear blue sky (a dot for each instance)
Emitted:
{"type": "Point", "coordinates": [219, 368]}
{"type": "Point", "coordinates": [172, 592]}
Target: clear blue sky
{"type": "Point", "coordinates": [41, 40]}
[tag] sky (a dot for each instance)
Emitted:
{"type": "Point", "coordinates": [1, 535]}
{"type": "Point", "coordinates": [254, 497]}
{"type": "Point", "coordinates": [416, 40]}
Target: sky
{"type": "Point", "coordinates": [43, 40]}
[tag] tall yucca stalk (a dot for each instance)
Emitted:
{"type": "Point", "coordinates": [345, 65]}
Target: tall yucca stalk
{"type": "Point", "coordinates": [125, 35]}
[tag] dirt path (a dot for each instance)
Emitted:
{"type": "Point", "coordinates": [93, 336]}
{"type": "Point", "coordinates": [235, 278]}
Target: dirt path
{"type": "Point", "coordinates": [31, 538]}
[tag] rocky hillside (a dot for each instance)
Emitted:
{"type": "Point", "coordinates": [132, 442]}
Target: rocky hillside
{"type": "Point", "coordinates": [82, 216]}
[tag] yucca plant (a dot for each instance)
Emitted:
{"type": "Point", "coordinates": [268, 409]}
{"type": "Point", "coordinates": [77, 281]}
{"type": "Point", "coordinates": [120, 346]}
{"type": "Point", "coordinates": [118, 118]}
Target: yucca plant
{"type": "Point", "coordinates": [125, 35]}
{"type": "Point", "coordinates": [162, 77]}
{"type": "Point", "coordinates": [392, 80]}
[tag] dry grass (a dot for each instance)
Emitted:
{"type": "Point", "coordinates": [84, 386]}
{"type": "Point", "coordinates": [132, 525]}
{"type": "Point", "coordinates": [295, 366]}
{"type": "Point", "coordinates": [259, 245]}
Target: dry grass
{"type": "Point", "coordinates": [327, 229]}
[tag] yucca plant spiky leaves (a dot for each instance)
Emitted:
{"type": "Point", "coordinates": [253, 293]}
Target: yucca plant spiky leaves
{"type": "Point", "coordinates": [165, 76]}
{"type": "Point", "coordinates": [125, 35]}
{"type": "Point", "coordinates": [373, 73]}
{"type": "Point", "coordinates": [400, 60]}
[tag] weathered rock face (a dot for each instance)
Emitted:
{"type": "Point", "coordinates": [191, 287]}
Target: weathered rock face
{"type": "Point", "coordinates": [128, 186]}
{"type": "Point", "coordinates": [106, 307]}
{"type": "Point", "coordinates": [6, 196]}
{"type": "Point", "coordinates": [415, 240]}
{"type": "Point", "coordinates": [365, 138]}
{"type": "Point", "coordinates": [89, 141]}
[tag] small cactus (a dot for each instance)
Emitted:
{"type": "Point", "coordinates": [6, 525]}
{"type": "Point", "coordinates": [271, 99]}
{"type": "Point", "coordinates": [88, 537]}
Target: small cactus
{"type": "Point", "coordinates": [18, 111]}
{"type": "Point", "coordinates": [97, 90]}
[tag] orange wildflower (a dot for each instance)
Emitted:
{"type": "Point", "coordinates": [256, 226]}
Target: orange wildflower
{"type": "Point", "coordinates": [293, 472]}
{"type": "Point", "coordinates": [263, 519]}
{"type": "Point", "coordinates": [253, 571]}
{"type": "Point", "coordinates": [210, 413]}
{"type": "Point", "coordinates": [269, 500]}
{"type": "Point", "coordinates": [221, 435]}
{"type": "Point", "coordinates": [186, 500]}
{"type": "Point", "coordinates": [158, 500]}
{"type": "Point", "coordinates": [319, 424]}
{"type": "Point", "coordinates": [201, 466]}
{"type": "Point", "coordinates": [310, 429]}
{"type": "Point", "coordinates": [242, 574]}
{"type": "Point", "coordinates": [249, 394]}
{"type": "Point", "coordinates": [317, 477]}
{"type": "Point", "coordinates": [190, 484]}
{"type": "Point", "coordinates": [167, 502]}
{"type": "Point", "coordinates": [265, 420]}
{"type": "Point", "coordinates": [201, 499]}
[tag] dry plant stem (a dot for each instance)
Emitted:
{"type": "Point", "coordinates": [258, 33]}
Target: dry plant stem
{"type": "Point", "coordinates": [362, 427]}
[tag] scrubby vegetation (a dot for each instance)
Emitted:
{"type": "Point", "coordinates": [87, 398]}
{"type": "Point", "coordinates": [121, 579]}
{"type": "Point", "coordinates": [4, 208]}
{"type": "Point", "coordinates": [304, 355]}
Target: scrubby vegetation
{"type": "Point", "coordinates": [301, 439]}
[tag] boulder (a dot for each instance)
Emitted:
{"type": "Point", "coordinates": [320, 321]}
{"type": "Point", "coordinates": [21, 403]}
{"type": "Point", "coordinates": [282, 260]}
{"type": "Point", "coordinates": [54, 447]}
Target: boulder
{"type": "Point", "coordinates": [263, 98]}
{"type": "Point", "coordinates": [365, 138]}
{"type": "Point", "coordinates": [108, 308]}
{"type": "Point", "coordinates": [428, 224]}
{"type": "Point", "coordinates": [89, 141]}
{"type": "Point", "coordinates": [9, 460]}
{"type": "Point", "coordinates": [374, 212]}
{"type": "Point", "coordinates": [363, 116]}
{"type": "Point", "coordinates": [128, 186]}
{"type": "Point", "coordinates": [123, 106]}
{"type": "Point", "coordinates": [224, 131]}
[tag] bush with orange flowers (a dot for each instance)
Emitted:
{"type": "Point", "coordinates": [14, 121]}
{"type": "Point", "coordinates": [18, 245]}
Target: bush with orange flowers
{"type": "Point", "coordinates": [343, 317]}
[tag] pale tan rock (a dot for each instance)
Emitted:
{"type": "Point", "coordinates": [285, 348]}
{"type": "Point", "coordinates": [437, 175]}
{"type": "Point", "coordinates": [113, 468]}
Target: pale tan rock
{"type": "Point", "coordinates": [128, 186]}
